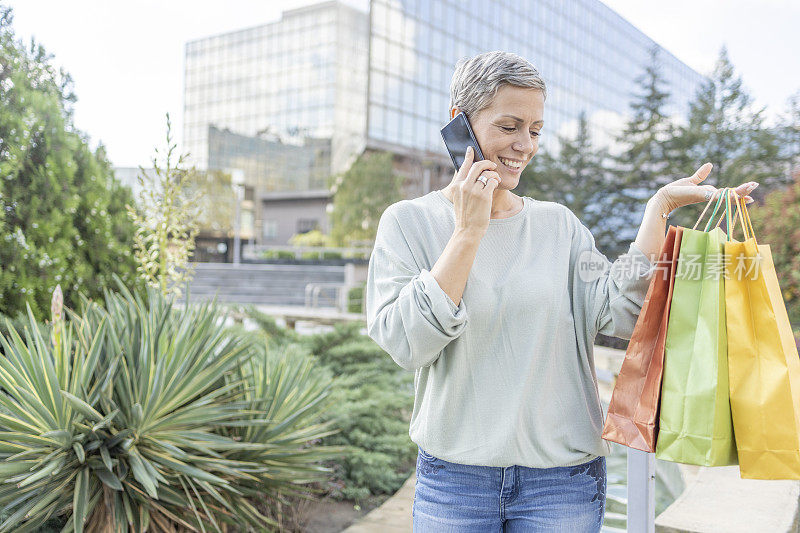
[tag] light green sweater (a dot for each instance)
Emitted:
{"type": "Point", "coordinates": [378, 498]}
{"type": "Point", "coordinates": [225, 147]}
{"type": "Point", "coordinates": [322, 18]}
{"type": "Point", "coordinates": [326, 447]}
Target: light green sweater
{"type": "Point", "coordinates": [506, 377]}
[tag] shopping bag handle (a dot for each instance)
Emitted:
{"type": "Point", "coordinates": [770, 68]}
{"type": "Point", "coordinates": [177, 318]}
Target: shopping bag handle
{"type": "Point", "coordinates": [728, 217]}
{"type": "Point", "coordinates": [726, 214]}
{"type": "Point", "coordinates": [713, 214]}
{"type": "Point", "coordinates": [744, 215]}
{"type": "Point", "coordinates": [728, 226]}
{"type": "Point", "coordinates": [740, 204]}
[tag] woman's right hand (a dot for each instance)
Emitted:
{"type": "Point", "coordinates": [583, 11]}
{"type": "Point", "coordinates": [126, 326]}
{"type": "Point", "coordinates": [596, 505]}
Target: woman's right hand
{"type": "Point", "coordinates": [472, 200]}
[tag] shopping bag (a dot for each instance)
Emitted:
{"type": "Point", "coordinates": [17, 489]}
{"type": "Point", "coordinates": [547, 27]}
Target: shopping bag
{"type": "Point", "coordinates": [633, 412]}
{"type": "Point", "coordinates": [694, 416]}
{"type": "Point", "coordinates": [764, 367]}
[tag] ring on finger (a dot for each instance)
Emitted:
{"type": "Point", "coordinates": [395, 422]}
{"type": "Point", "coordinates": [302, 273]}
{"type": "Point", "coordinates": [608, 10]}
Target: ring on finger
{"type": "Point", "coordinates": [708, 195]}
{"type": "Point", "coordinates": [483, 180]}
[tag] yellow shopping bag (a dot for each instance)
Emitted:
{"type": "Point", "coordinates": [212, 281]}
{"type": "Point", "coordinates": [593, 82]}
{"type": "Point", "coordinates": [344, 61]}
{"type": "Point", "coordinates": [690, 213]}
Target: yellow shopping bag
{"type": "Point", "coordinates": [763, 364]}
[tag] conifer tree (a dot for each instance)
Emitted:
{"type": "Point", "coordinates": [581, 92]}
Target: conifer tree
{"type": "Point", "coordinates": [725, 128]}
{"type": "Point", "coordinates": [645, 160]}
{"type": "Point", "coordinates": [62, 218]}
{"type": "Point", "coordinates": [579, 176]}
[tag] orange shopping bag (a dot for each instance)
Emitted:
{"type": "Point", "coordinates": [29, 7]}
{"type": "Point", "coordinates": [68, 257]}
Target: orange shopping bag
{"type": "Point", "coordinates": [633, 412]}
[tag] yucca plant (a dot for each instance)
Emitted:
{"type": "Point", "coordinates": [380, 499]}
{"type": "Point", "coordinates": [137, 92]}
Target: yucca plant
{"type": "Point", "coordinates": [282, 384]}
{"type": "Point", "coordinates": [140, 416]}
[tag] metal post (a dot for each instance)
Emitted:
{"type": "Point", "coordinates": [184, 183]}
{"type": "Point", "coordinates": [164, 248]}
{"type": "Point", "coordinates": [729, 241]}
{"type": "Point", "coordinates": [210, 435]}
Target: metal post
{"type": "Point", "coordinates": [237, 181]}
{"type": "Point", "coordinates": [237, 241]}
{"type": "Point", "coordinates": [641, 491]}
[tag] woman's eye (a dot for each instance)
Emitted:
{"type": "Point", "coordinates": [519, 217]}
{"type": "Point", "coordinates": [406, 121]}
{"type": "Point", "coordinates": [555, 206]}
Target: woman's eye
{"type": "Point", "coordinates": [506, 128]}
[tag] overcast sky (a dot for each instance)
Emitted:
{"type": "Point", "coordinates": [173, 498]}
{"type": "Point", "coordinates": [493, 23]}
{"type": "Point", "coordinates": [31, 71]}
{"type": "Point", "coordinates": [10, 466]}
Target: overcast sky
{"type": "Point", "coordinates": [126, 58]}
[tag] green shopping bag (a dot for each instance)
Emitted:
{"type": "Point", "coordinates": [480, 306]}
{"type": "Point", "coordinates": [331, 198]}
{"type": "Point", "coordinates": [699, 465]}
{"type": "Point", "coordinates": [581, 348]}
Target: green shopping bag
{"type": "Point", "coordinates": [695, 416]}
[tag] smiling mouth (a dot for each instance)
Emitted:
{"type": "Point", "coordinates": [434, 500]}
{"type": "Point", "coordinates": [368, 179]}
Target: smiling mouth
{"type": "Point", "coordinates": [510, 163]}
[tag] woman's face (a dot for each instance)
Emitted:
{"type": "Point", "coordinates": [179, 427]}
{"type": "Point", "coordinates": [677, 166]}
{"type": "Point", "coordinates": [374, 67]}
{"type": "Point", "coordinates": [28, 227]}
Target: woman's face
{"type": "Point", "coordinates": [508, 130]}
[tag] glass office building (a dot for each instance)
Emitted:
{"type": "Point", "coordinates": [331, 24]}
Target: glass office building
{"type": "Point", "coordinates": [339, 78]}
{"type": "Point", "coordinates": [271, 164]}
{"type": "Point", "coordinates": [588, 55]}
{"type": "Point", "coordinates": [302, 77]}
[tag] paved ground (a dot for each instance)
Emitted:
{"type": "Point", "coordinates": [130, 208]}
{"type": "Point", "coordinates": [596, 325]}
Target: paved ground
{"type": "Point", "coordinates": [394, 516]}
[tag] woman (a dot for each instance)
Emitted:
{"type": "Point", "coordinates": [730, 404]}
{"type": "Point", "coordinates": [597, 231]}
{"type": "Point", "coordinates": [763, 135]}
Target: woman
{"type": "Point", "coordinates": [491, 299]}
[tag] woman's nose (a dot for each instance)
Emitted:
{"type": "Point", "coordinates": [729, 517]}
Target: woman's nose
{"type": "Point", "coordinates": [524, 145]}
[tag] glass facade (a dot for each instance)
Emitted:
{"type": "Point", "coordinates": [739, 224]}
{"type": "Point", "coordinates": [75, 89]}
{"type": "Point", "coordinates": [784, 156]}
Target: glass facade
{"type": "Point", "coordinates": [302, 76]}
{"type": "Point", "coordinates": [271, 165]}
{"type": "Point", "coordinates": [294, 101]}
{"type": "Point", "coordinates": [587, 54]}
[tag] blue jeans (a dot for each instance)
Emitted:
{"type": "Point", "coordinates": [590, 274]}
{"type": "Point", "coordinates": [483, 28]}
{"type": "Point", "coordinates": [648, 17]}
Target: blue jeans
{"type": "Point", "coordinates": [452, 497]}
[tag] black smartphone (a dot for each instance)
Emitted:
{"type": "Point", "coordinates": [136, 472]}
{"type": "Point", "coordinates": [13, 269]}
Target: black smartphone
{"type": "Point", "coordinates": [457, 136]}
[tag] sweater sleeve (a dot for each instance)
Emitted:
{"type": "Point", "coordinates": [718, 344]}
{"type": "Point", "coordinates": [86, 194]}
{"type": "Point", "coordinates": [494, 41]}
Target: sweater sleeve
{"type": "Point", "coordinates": [408, 313]}
{"type": "Point", "coordinates": [611, 294]}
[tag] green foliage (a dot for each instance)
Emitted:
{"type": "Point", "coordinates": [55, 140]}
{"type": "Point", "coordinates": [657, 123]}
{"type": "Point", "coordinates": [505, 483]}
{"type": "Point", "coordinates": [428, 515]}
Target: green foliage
{"type": "Point", "coordinates": [776, 221]}
{"type": "Point", "coordinates": [647, 158]}
{"type": "Point", "coordinates": [139, 415]}
{"type": "Point", "coordinates": [312, 256]}
{"type": "Point", "coordinates": [215, 199]}
{"type": "Point", "coordinates": [311, 238]}
{"type": "Point", "coordinates": [277, 254]}
{"type": "Point", "coordinates": [268, 326]}
{"type": "Point", "coordinates": [579, 176]}
{"type": "Point", "coordinates": [645, 162]}
{"type": "Point", "coordinates": [62, 216]}
{"type": "Point", "coordinates": [725, 129]}
{"type": "Point", "coordinates": [373, 400]}
{"type": "Point", "coordinates": [361, 194]}
{"type": "Point", "coordinates": [166, 220]}
{"type": "Point", "coordinates": [355, 299]}
{"type": "Point", "coordinates": [789, 133]}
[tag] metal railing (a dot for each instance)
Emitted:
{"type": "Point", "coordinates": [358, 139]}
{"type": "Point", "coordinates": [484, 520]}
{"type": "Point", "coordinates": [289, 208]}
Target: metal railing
{"type": "Point", "coordinates": [341, 297]}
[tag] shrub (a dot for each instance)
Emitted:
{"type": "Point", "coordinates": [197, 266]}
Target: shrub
{"type": "Point", "coordinates": [314, 237]}
{"type": "Point", "coordinates": [62, 212]}
{"type": "Point", "coordinates": [140, 416]}
{"type": "Point", "coordinates": [355, 299]}
{"type": "Point", "coordinates": [373, 399]}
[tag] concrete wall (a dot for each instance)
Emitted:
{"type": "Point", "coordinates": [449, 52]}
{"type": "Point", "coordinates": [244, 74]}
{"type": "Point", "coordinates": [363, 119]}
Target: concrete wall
{"type": "Point", "coordinates": [288, 213]}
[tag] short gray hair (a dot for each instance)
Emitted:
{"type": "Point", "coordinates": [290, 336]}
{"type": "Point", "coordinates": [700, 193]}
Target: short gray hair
{"type": "Point", "coordinates": [476, 79]}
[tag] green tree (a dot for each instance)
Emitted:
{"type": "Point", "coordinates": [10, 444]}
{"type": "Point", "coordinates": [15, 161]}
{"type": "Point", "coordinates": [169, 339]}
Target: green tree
{"type": "Point", "coordinates": [166, 220]}
{"type": "Point", "coordinates": [776, 220]}
{"type": "Point", "coordinates": [216, 200]}
{"type": "Point", "coordinates": [726, 129]}
{"type": "Point", "coordinates": [789, 132]}
{"type": "Point", "coordinates": [579, 176]}
{"type": "Point", "coordinates": [361, 194]}
{"type": "Point", "coordinates": [61, 218]}
{"type": "Point", "coordinates": [646, 160]}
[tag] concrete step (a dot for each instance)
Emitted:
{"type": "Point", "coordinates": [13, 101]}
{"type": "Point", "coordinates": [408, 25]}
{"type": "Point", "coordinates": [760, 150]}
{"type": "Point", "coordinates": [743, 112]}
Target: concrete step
{"type": "Point", "coordinates": [264, 284]}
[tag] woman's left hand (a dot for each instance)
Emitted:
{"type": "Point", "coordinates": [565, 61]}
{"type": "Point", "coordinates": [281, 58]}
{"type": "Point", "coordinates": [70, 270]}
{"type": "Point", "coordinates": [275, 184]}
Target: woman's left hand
{"type": "Point", "coordinates": [687, 191]}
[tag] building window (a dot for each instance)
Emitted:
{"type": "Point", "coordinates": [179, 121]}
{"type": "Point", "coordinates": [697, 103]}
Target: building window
{"type": "Point", "coordinates": [307, 224]}
{"type": "Point", "coordinates": [270, 231]}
